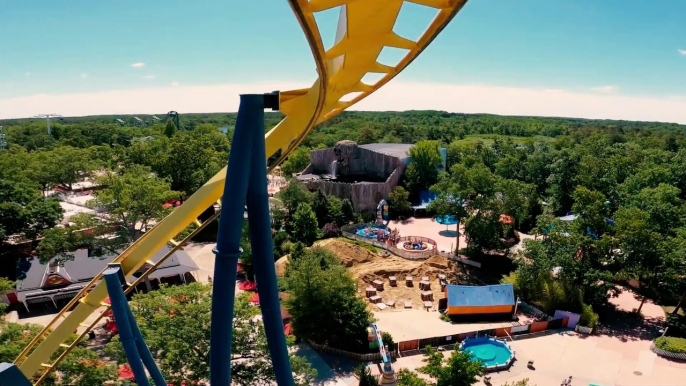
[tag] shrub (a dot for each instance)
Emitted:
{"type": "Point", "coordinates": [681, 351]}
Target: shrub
{"type": "Point", "coordinates": [365, 376]}
{"type": "Point", "coordinates": [331, 230]}
{"type": "Point", "coordinates": [588, 317]}
{"type": "Point", "coordinates": [671, 344]}
{"type": "Point", "coordinates": [388, 340]}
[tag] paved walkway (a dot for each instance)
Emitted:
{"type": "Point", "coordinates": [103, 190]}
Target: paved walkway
{"type": "Point", "coordinates": [445, 236]}
{"type": "Point", "coordinates": [588, 359]}
{"type": "Point", "coordinates": [410, 324]}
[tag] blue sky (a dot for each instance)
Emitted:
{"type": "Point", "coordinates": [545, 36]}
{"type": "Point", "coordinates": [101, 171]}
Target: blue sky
{"type": "Point", "coordinates": [620, 48]}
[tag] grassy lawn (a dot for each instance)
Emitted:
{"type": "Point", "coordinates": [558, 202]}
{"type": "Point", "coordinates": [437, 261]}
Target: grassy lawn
{"type": "Point", "coordinates": [366, 246]}
{"type": "Point", "coordinates": [668, 310]}
{"type": "Point", "coordinates": [488, 139]}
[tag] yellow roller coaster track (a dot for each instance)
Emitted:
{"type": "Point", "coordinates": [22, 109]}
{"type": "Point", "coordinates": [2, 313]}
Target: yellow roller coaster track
{"type": "Point", "coordinates": [365, 27]}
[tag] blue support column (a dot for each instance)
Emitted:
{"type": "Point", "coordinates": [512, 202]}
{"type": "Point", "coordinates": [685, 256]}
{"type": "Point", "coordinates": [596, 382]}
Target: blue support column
{"type": "Point", "coordinates": [10, 375]}
{"type": "Point", "coordinates": [246, 176]}
{"type": "Point", "coordinates": [263, 259]}
{"type": "Point", "coordinates": [128, 341]}
{"type": "Point", "coordinates": [228, 250]}
{"type": "Point", "coordinates": [129, 333]}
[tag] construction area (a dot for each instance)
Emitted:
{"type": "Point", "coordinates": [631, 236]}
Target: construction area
{"type": "Point", "coordinates": [374, 274]}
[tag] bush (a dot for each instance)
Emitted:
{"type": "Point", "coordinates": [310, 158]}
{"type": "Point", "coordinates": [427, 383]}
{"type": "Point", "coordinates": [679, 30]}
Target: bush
{"type": "Point", "coordinates": [331, 230]}
{"type": "Point", "coordinates": [388, 340]}
{"type": "Point", "coordinates": [365, 376]}
{"type": "Point", "coordinates": [671, 344]}
{"type": "Point", "coordinates": [588, 317]}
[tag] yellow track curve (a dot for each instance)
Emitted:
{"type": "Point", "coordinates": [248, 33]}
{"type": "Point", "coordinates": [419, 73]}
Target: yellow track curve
{"type": "Point", "coordinates": [365, 27]}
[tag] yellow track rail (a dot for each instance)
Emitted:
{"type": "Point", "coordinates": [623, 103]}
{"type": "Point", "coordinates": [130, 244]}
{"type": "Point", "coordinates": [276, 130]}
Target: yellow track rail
{"type": "Point", "coordinates": [365, 27]}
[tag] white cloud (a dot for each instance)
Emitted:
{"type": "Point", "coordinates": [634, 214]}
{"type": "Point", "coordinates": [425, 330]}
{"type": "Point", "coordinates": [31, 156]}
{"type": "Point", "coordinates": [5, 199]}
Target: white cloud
{"type": "Point", "coordinates": [149, 77]}
{"type": "Point", "coordinates": [28, 74]}
{"type": "Point", "coordinates": [175, 84]}
{"type": "Point", "coordinates": [682, 52]}
{"type": "Point", "coordinates": [396, 96]}
{"type": "Point", "coordinates": [138, 65]}
{"type": "Point", "coordinates": [605, 88]}
{"type": "Point", "coordinates": [84, 75]}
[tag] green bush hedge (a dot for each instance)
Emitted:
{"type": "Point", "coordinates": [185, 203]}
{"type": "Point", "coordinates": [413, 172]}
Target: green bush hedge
{"type": "Point", "coordinates": [671, 344]}
{"type": "Point", "coordinates": [588, 317]}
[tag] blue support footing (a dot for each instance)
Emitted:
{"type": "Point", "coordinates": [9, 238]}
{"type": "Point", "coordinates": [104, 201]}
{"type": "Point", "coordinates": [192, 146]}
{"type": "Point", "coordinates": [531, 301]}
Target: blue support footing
{"type": "Point", "coordinates": [10, 375]}
{"type": "Point", "coordinates": [137, 352]}
{"type": "Point", "coordinates": [246, 176]}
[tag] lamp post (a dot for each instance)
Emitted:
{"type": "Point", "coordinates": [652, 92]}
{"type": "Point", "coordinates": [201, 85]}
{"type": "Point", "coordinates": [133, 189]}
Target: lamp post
{"type": "Point", "coordinates": [47, 119]}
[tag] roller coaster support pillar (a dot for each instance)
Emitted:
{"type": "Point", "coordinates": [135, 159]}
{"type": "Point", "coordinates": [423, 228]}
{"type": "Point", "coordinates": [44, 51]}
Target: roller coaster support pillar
{"type": "Point", "coordinates": [246, 176]}
{"type": "Point", "coordinates": [11, 376]}
{"type": "Point", "coordinates": [137, 352]}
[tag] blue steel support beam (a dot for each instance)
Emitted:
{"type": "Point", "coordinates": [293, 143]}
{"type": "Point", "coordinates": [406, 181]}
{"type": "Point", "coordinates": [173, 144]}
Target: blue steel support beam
{"type": "Point", "coordinates": [263, 255]}
{"type": "Point", "coordinates": [144, 352]}
{"type": "Point", "coordinates": [121, 317]}
{"type": "Point", "coordinates": [11, 376]}
{"type": "Point", "coordinates": [228, 249]}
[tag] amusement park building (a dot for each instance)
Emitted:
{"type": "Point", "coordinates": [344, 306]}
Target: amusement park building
{"type": "Point", "coordinates": [364, 174]}
{"type": "Point", "coordinates": [55, 284]}
{"type": "Point", "coordinates": [480, 302]}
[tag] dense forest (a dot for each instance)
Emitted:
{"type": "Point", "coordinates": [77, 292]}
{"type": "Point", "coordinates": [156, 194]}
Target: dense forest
{"type": "Point", "coordinates": [626, 181]}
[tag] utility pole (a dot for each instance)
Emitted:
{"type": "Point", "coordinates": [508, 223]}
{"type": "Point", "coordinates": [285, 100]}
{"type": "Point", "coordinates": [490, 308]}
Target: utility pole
{"type": "Point", "coordinates": [3, 139]}
{"type": "Point", "coordinates": [47, 118]}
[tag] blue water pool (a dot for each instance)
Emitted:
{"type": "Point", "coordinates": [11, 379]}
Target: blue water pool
{"type": "Point", "coordinates": [370, 232]}
{"type": "Point", "coordinates": [494, 354]}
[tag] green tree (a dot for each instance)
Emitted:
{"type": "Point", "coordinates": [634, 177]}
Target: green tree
{"type": "Point", "coordinates": [169, 129]}
{"type": "Point", "coordinates": [305, 226]}
{"type": "Point", "coordinates": [407, 377]}
{"type": "Point", "coordinates": [561, 181]}
{"type": "Point", "coordinates": [134, 198]}
{"type": "Point", "coordinates": [134, 201]}
{"type": "Point", "coordinates": [348, 210]}
{"type": "Point", "coordinates": [6, 287]}
{"type": "Point", "coordinates": [336, 211]}
{"type": "Point", "coordinates": [323, 302]}
{"type": "Point", "coordinates": [68, 165]}
{"type": "Point", "coordinates": [320, 205]}
{"type": "Point", "coordinates": [296, 162]}
{"type": "Point", "coordinates": [24, 211]}
{"type": "Point", "coordinates": [460, 369]}
{"type": "Point", "coordinates": [189, 159]}
{"type": "Point", "coordinates": [176, 324]}
{"type": "Point", "coordinates": [292, 196]}
{"type": "Point", "coordinates": [366, 135]}
{"type": "Point", "coordinates": [399, 202]}
{"type": "Point", "coordinates": [422, 172]}
{"type": "Point", "coordinates": [83, 367]}
{"type": "Point", "coordinates": [365, 376]}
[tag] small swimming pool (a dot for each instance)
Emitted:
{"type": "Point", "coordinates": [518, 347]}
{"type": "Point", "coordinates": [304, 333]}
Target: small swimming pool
{"type": "Point", "coordinates": [494, 354]}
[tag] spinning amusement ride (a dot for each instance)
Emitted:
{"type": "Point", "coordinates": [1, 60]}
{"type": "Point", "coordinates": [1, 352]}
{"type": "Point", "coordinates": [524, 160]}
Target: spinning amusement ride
{"type": "Point", "coordinates": [365, 27]}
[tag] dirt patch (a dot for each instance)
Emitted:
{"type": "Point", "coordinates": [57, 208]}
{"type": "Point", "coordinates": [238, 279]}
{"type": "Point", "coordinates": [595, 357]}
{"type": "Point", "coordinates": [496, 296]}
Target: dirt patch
{"type": "Point", "coordinates": [366, 267]}
{"type": "Point", "coordinates": [349, 254]}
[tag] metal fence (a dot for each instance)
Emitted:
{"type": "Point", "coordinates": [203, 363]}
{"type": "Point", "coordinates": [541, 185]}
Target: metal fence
{"type": "Point", "coordinates": [352, 355]}
{"type": "Point", "coordinates": [348, 232]}
{"type": "Point", "coordinates": [533, 311]}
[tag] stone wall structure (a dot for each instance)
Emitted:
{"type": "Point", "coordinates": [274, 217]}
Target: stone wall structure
{"type": "Point", "coordinates": [363, 176]}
